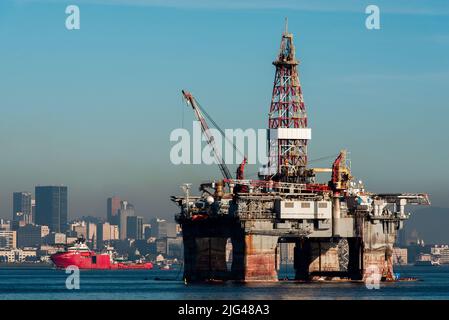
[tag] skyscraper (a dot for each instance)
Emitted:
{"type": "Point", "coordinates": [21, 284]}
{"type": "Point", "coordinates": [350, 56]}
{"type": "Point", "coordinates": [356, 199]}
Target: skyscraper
{"type": "Point", "coordinates": [161, 228]}
{"type": "Point", "coordinates": [113, 206]}
{"type": "Point", "coordinates": [8, 239]}
{"type": "Point", "coordinates": [33, 210]}
{"type": "Point", "coordinates": [105, 233]}
{"type": "Point", "coordinates": [134, 228]}
{"type": "Point", "coordinates": [126, 210]}
{"type": "Point", "coordinates": [30, 236]}
{"type": "Point", "coordinates": [51, 207]}
{"type": "Point", "coordinates": [22, 207]}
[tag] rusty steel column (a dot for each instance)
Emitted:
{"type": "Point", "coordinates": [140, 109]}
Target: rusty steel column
{"type": "Point", "coordinates": [323, 257]}
{"type": "Point", "coordinates": [211, 257]}
{"type": "Point", "coordinates": [205, 258]}
{"type": "Point", "coordinates": [260, 258]}
{"type": "Point", "coordinates": [381, 260]}
{"type": "Point", "coordinates": [378, 243]}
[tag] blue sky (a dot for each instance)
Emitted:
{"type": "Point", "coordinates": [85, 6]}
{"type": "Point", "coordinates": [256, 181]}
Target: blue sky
{"type": "Point", "coordinates": [93, 108]}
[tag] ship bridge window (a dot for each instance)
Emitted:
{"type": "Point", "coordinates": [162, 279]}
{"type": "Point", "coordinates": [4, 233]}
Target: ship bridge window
{"type": "Point", "coordinates": [305, 205]}
{"type": "Point", "coordinates": [289, 205]}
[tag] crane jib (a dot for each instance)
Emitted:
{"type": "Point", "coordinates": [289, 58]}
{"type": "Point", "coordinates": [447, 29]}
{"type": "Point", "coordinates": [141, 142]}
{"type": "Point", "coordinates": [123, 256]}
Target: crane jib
{"type": "Point", "coordinates": [190, 100]}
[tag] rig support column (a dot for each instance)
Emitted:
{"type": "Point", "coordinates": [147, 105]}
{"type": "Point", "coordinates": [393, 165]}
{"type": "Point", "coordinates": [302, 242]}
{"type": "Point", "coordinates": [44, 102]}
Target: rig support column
{"type": "Point", "coordinates": [335, 215]}
{"type": "Point", "coordinates": [260, 258]}
{"type": "Point", "coordinates": [205, 258]}
{"type": "Point", "coordinates": [379, 239]}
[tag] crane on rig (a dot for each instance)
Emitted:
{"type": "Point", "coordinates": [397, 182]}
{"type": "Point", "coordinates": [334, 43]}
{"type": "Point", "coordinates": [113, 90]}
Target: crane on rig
{"type": "Point", "coordinates": [200, 115]}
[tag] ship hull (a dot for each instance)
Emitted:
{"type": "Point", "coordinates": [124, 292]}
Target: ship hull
{"type": "Point", "coordinates": [89, 260]}
{"type": "Point", "coordinates": [423, 263]}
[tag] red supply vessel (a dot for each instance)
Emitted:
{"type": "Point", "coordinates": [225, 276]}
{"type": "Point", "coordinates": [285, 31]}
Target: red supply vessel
{"type": "Point", "coordinates": [81, 256]}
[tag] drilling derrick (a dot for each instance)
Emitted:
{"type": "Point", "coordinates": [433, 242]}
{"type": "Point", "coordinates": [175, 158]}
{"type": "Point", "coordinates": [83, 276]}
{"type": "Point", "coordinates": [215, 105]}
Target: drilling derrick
{"type": "Point", "coordinates": [287, 123]}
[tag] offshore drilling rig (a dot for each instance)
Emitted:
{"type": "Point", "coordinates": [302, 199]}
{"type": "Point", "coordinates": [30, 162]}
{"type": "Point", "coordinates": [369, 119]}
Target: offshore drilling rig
{"type": "Point", "coordinates": [339, 230]}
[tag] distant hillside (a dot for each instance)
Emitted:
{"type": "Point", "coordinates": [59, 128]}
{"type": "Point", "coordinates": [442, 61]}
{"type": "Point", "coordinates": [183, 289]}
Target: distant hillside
{"type": "Point", "coordinates": [431, 223]}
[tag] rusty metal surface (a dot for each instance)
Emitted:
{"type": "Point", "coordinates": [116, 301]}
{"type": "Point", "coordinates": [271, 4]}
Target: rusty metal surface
{"type": "Point", "coordinates": [324, 257]}
{"type": "Point", "coordinates": [260, 258]}
{"type": "Point", "coordinates": [377, 261]}
{"type": "Point", "coordinates": [211, 254]}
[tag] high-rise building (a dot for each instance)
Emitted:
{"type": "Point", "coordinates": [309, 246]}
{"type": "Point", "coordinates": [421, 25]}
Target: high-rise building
{"type": "Point", "coordinates": [440, 253]}
{"type": "Point", "coordinates": [146, 231]}
{"type": "Point", "coordinates": [103, 233]}
{"type": "Point", "coordinates": [113, 207]}
{"type": "Point", "coordinates": [5, 225]}
{"type": "Point", "coordinates": [79, 228]}
{"type": "Point", "coordinates": [30, 236]}
{"type": "Point", "coordinates": [126, 210]}
{"type": "Point", "coordinates": [8, 239]}
{"type": "Point", "coordinates": [55, 238]}
{"type": "Point", "coordinates": [51, 207]}
{"type": "Point", "coordinates": [18, 255]}
{"type": "Point", "coordinates": [175, 248]}
{"type": "Point", "coordinates": [114, 232]}
{"type": "Point", "coordinates": [33, 210]}
{"type": "Point", "coordinates": [91, 231]}
{"type": "Point", "coordinates": [21, 207]}
{"type": "Point", "coordinates": [161, 228]}
{"type": "Point", "coordinates": [134, 228]}
{"type": "Point", "coordinates": [45, 231]}
{"type": "Point", "coordinates": [161, 246]}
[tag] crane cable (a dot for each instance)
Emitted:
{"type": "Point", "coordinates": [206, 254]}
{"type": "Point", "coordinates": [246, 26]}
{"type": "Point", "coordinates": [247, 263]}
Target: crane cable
{"type": "Point", "coordinates": [219, 129]}
{"type": "Point", "coordinates": [182, 114]}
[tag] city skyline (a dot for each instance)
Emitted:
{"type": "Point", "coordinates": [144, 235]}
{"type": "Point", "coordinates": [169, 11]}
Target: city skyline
{"type": "Point", "coordinates": [108, 133]}
{"type": "Point", "coordinates": [24, 203]}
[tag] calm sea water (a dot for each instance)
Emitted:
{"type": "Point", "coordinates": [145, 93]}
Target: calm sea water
{"type": "Point", "coordinates": [48, 283]}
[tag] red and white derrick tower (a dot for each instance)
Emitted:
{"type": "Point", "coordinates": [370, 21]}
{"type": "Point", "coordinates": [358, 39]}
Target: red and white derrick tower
{"type": "Point", "coordinates": [288, 133]}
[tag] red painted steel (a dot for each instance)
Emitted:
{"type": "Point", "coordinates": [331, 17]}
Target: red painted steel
{"type": "Point", "coordinates": [287, 110]}
{"type": "Point", "coordinates": [91, 260]}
